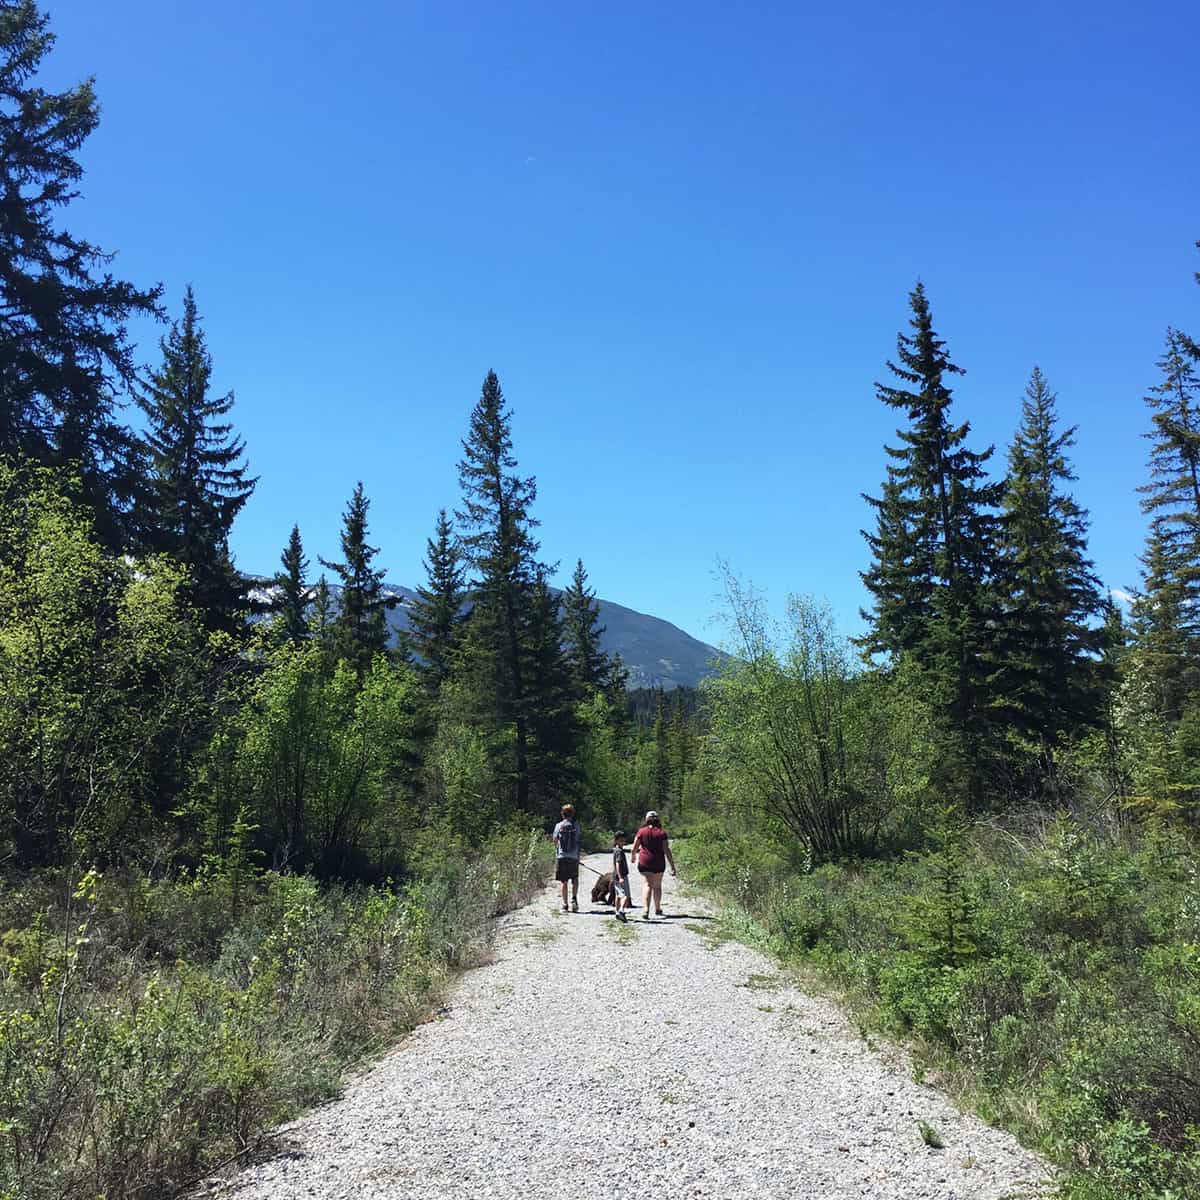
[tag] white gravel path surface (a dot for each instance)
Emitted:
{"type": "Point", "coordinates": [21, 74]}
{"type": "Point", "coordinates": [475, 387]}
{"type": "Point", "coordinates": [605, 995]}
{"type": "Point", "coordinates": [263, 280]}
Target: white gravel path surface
{"type": "Point", "coordinates": [592, 1059]}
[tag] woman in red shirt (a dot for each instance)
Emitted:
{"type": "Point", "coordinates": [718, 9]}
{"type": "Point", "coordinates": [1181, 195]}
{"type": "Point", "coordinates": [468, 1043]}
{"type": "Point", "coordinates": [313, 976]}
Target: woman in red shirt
{"type": "Point", "coordinates": [652, 850]}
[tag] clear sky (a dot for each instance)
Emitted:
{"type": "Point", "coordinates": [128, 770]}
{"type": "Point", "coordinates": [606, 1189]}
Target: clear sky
{"type": "Point", "coordinates": [682, 234]}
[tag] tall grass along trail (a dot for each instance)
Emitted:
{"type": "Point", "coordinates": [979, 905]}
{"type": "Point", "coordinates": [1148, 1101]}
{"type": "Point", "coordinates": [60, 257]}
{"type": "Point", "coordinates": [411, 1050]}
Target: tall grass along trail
{"type": "Point", "coordinates": [594, 1058]}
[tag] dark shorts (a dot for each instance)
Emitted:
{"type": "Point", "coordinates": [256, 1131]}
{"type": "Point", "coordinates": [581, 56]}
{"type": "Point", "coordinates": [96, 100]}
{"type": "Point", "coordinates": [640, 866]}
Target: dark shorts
{"type": "Point", "coordinates": [566, 868]}
{"type": "Point", "coordinates": [652, 868]}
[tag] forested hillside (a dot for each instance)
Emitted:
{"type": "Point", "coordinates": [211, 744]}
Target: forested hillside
{"type": "Point", "coordinates": [653, 652]}
{"type": "Point", "coordinates": [247, 833]}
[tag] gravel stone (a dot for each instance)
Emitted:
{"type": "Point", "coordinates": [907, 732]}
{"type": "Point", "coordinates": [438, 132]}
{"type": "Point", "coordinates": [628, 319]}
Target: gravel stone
{"type": "Point", "coordinates": [599, 1059]}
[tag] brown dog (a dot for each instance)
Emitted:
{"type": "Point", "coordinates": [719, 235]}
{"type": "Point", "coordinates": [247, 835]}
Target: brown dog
{"type": "Point", "coordinates": [602, 889]}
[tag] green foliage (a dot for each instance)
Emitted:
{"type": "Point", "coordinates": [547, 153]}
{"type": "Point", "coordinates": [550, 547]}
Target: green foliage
{"type": "Point", "coordinates": [359, 632]}
{"type": "Point", "coordinates": [1050, 675]}
{"type": "Point", "coordinates": [1053, 977]}
{"type": "Point", "coordinates": [512, 661]}
{"type": "Point", "coordinates": [934, 552]}
{"type": "Point", "coordinates": [293, 587]}
{"type": "Point", "coordinates": [801, 734]}
{"type": "Point", "coordinates": [144, 1033]}
{"type": "Point", "coordinates": [316, 756]}
{"type": "Point", "coordinates": [498, 543]}
{"type": "Point", "coordinates": [63, 343]}
{"type": "Point", "coordinates": [198, 483]}
{"type": "Point", "coordinates": [930, 1136]}
{"type": "Point", "coordinates": [101, 677]}
{"type": "Point", "coordinates": [591, 668]}
{"type": "Point", "coordinates": [458, 769]}
{"type": "Point", "coordinates": [437, 613]}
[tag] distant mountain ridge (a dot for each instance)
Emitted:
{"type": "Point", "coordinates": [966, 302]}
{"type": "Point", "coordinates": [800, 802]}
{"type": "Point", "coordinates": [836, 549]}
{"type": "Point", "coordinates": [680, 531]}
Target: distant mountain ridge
{"type": "Point", "coordinates": [655, 652]}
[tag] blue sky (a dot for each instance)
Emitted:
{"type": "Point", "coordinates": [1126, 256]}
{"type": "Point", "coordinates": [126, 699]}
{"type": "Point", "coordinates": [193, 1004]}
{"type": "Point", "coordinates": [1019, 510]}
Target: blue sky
{"type": "Point", "coordinates": [682, 235]}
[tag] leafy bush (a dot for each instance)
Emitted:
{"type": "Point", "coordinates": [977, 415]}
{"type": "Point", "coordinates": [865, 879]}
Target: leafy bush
{"type": "Point", "coordinates": [1061, 969]}
{"type": "Point", "coordinates": [142, 1035]}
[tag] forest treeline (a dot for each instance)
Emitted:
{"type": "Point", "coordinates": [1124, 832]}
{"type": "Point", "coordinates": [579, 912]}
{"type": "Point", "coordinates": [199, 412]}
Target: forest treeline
{"type": "Point", "coordinates": [977, 821]}
{"type": "Point", "coordinates": [163, 708]}
{"type": "Point", "coordinates": [246, 833]}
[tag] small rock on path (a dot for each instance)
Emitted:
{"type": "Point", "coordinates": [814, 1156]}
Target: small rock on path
{"type": "Point", "coordinates": [595, 1059]}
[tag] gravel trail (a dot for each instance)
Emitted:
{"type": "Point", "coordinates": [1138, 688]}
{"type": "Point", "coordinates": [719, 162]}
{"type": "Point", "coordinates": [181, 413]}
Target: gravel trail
{"type": "Point", "coordinates": [597, 1059]}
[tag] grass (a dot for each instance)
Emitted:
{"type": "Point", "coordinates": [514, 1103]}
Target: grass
{"type": "Point", "coordinates": [625, 933]}
{"type": "Point", "coordinates": [763, 983]}
{"type": "Point", "coordinates": [150, 1028]}
{"type": "Point", "coordinates": [930, 1136]}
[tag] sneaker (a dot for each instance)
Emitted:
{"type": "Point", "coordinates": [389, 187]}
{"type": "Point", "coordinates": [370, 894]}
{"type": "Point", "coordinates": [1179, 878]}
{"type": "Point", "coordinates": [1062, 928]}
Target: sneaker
{"type": "Point", "coordinates": [564, 908]}
{"type": "Point", "coordinates": [574, 905]}
{"type": "Point", "coordinates": [645, 916]}
{"type": "Point", "coordinates": [620, 915]}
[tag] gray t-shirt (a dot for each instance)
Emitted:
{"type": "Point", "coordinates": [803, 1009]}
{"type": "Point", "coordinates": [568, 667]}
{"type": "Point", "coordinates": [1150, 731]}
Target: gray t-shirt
{"type": "Point", "coordinates": [566, 839]}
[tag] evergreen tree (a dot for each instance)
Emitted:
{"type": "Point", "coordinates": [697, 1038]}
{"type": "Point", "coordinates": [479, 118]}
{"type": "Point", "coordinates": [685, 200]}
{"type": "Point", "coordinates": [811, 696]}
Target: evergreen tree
{"type": "Point", "coordinates": [360, 629]}
{"type": "Point", "coordinates": [436, 616]}
{"type": "Point", "coordinates": [661, 782]}
{"type": "Point", "coordinates": [1112, 673]}
{"type": "Point", "coordinates": [320, 623]}
{"type": "Point", "coordinates": [590, 666]}
{"type": "Point", "coordinates": [1048, 679]}
{"type": "Point", "coordinates": [498, 542]}
{"type": "Point", "coordinates": [1165, 654]}
{"type": "Point", "coordinates": [1190, 344]}
{"type": "Point", "coordinates": [1172, 497]}
{"type": "Point", "coordinates": [934, 550]}
{"type": "Point", "coordinates": [293, 600]}
{"type": "Point", "coordinates": [553, 724]}
{"type": "Point", "coordinates": [681, 749]}
{"type": "Point", "coordinates": [199, 482]}
{"type": "Point", "coordinates": [64, 351]}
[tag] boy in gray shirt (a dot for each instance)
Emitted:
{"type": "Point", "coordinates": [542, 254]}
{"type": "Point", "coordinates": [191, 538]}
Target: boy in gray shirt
{"type": "Point", "coordinates": [566, 847]}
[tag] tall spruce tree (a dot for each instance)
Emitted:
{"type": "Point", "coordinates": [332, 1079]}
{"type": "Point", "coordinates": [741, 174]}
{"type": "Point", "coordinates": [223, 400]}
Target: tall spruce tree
{"type": "Point", "coordinates": [320, 621]}
{"type": "Point", "coordinates": [436, 616]}
{"type": "Point", "coordinates": [360, 629]}
{"type": "Point", "coordinates": [1049, 676]}
{"type": "Point", "coordinates": [935, 550]}
{"type": "Point", "coordinates": [498, 543]}
{"type": "Point", "coordinates": [1190, 344]}
{"type": "Point", "coordinates": [590, 666]}
{"type": "Point", "coordinates": [661, 781]}
{"type": "Point", "coordinates": [1172, 496]}
{"type": "Point", "coordinates": [64, 351]}
{"type": "Point", "coordinates": [681, 749]}
{"type": "Point", "coordinates": [293, 589]}
{"type": "Point", "coordinates": [554, 726]}
{"type": "Point", "coordinates": [199, 480]}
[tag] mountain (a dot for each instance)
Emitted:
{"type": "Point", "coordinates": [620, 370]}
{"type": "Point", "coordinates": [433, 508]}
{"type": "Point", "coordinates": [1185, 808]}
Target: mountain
{"type": "Point", "coordinates": [655, 652]}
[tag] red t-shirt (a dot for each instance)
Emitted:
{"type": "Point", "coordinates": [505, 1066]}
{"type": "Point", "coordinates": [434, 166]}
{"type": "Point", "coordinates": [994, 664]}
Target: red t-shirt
{"type": "Point", "coordinates": [652, 848]}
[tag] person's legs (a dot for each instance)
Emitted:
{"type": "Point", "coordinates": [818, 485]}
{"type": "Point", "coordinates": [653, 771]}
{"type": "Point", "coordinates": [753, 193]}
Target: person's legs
{"type": "Point", "coordinates": [562, 874]}
{"type": "Point", "coordinates": [652, 890]}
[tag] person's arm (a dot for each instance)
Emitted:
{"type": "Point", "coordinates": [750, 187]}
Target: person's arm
{"type": "Point", "coordinates": [667, 852]}
{"type": "Point", "coordinates": [637, 843]}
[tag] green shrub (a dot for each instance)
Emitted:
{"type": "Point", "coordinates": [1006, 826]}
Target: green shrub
{"type": "Point", "coordinates": [142, 1035]}
{"type": "Point", "coordinates": [1055, 977]}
